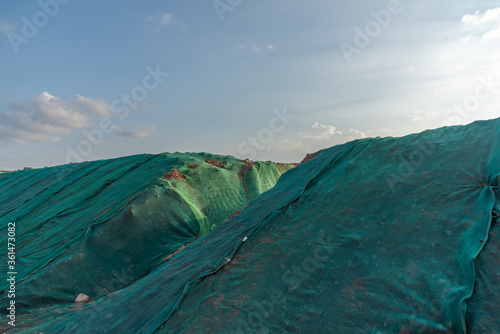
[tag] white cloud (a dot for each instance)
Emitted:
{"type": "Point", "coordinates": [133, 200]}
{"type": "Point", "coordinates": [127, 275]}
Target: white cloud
{"type": "Point", "coordinates": [46, 118]}
{"type": "Point", "coordinates": [483, 26]}
{"type": "Point", "coordinates": [321, 137]}
{"type": "Point", "coordinates": [91, 107]}
{"type": "Point", "coordinates": [325, 132]}
{"type": "Point", "coordinates": [491, 15]}
{"type": "Point", "coordinates": [354, 134]}
{"type": "Point", "coordinates": [329, 135]}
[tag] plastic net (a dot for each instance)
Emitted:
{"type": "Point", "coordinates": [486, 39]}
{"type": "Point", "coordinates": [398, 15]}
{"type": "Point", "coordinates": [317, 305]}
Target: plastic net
{"type": "Point", "coordinates": [382, 235]}
{"type": "Point", "coordinates": [379, 236]}
{"type": "Point", "coordinates": [97, 227]}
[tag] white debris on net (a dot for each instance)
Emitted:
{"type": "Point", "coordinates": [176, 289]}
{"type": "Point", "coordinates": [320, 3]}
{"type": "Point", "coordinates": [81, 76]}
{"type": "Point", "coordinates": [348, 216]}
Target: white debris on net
{"type": "Point", "coordinates": [82, 298]}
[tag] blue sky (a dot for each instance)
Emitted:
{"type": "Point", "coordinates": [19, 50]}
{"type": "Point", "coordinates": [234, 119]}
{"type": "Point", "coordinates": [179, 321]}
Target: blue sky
{"type": "Point", "coordinates": [269, 80]}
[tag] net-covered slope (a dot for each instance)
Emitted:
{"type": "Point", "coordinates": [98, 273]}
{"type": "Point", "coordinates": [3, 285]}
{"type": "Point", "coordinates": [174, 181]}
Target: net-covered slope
{"type": "Point", "coordinates": [384, 235]}
{"type": "Point", "coordinates": [97, 227]}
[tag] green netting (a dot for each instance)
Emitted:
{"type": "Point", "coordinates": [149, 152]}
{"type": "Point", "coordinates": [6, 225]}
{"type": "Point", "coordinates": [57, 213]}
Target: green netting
{"type": "Point", "coordinates": [383, 235]}
{"type": "Point", "coordinates": [375, 236]}
{"type": "Point", "coordinates": [97, 227]}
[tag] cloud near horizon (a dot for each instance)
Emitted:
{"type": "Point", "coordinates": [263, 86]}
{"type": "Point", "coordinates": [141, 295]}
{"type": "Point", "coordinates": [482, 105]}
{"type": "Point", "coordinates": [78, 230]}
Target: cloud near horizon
{"type": "Point", "coordinates": [326, 131]}
{"type": "Point", "coordinates": [321, 136]}
{"type": "Point", "coordinates": [47, 118]}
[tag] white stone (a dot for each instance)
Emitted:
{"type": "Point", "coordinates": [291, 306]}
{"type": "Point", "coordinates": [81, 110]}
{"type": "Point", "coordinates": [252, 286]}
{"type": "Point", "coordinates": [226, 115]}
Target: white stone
{"type": "Point", "coordinates": [82, 298]}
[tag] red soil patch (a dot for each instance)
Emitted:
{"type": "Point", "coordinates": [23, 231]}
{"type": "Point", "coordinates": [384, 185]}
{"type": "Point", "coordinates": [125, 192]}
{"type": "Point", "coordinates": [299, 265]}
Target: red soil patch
{"type": "Point", "coordinates": [171, 255]}
{"type": "Point", "coordinates": [308, 157]}
{"type": "Point", "coordinates": [234, 214]}
{"type": "Point", "coordinates": [175, 174]}
{"type": "Point", "coordinates": [192, 166]}
{"type": "Point", "coordinates": [216, 163]}
{"type": "Point", "coordinates": [248, 165]}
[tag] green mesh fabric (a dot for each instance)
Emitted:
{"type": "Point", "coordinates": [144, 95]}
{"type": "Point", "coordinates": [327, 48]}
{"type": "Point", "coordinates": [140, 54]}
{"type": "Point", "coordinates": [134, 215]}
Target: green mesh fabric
{"type": "Point", "coordinates": [382, 235]}
{"type": "Point", "coordinates": [384, 239]}
{"type": "Point", "coordinates": [97, 227]}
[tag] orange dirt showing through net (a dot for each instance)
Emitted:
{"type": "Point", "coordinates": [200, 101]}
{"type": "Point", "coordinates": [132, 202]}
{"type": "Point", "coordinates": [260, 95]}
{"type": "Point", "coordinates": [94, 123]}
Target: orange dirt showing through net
{"type": "Point", "coordinates": [234, 214]}
{"type": "Point", "coordinates": [308, 157]}
{"type": "Point", "coordinates": [171, 255]}
{"type": "Point", "coordinates": [216, 163]}
{"type": "Point", "coordinates": [175, 174]}
{"type": "Point", "coordinates": [248, 165]}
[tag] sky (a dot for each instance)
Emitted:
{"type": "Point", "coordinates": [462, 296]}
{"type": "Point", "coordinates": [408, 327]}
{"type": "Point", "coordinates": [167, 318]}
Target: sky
{"type": "Point", "coordinates": [261, 79]}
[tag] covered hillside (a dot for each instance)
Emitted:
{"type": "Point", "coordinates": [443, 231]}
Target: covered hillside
{"type": "Point", "coordinates": [379, 235]}
{"type": "Point", "coordinates": [97, 227]}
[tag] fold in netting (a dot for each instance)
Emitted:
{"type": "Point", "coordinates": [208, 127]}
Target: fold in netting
{"type": "Point", "coordinates": [483, 307]}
